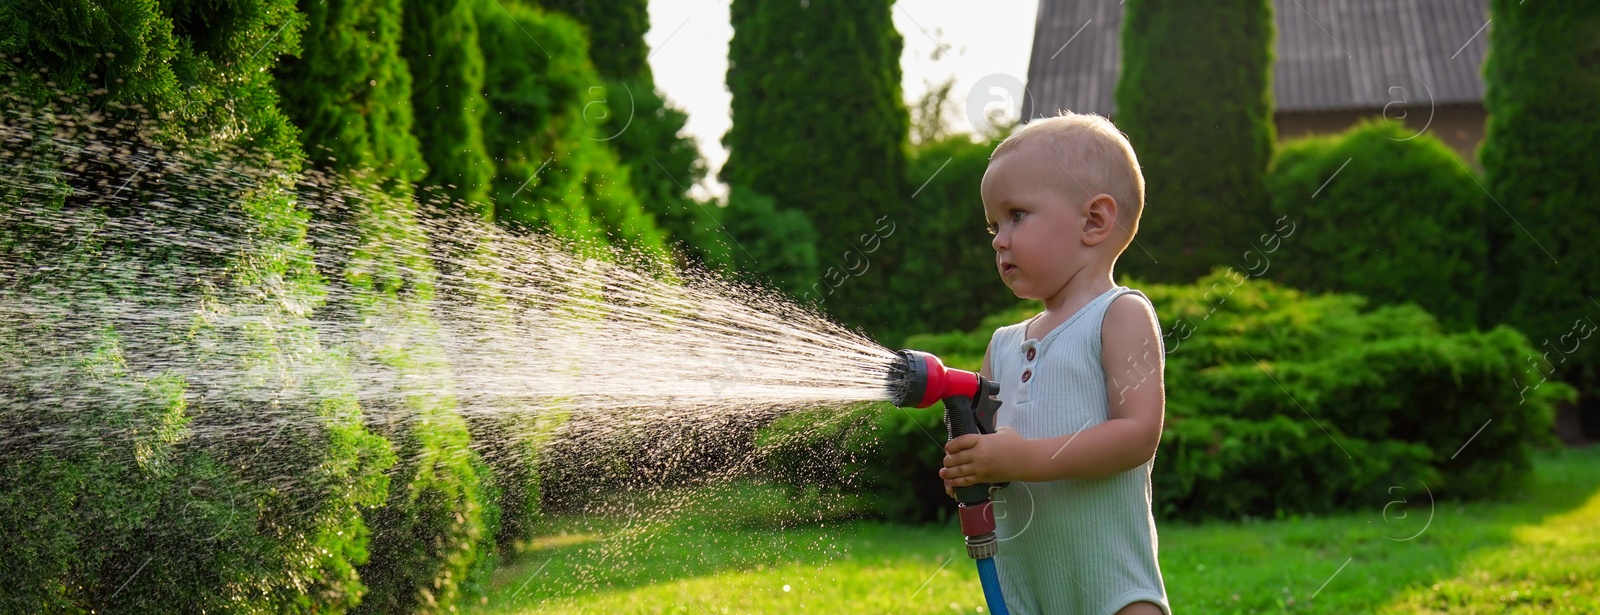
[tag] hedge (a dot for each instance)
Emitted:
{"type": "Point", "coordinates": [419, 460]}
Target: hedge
{"type": "Point", "coordinates": [142, 369]}
{"type": "Point", "coordinates": [174, 431]}
{"type": "Point", "coordinates": [554, 172]}
{"type": "Point", "coordinates": [440, 43]}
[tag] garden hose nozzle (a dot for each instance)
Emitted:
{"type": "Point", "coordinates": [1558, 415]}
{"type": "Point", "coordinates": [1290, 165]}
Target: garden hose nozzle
{"type": "Point", "coordinates": [970, 404]}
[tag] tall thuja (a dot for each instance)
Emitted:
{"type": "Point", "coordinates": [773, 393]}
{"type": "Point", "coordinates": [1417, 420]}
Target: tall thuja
{"type": "Point", "coordinates": [646, 130]}
{"type": "Point", "coordinates": [138, 365]}
{"type": "Point", "coordinates": [554, 172]}
{"type": "Point", "coordinates": [350, 91]}
{"type": "Point", "coordinates": [1202, 123]}
{"type": "Point", "coordinates": [819, 125]}
{"type": "Point", "coordinates": [440, 43]}
{"type": "Point", "coordinates": [1542, 78]}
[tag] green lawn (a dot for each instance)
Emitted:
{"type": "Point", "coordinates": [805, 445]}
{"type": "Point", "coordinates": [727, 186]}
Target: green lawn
{"type": "Point", "coordinates": [744, 549]}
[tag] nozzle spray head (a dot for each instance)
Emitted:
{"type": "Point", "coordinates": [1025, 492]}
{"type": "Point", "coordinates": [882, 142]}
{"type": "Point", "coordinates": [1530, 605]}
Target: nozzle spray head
{"type": "Point", "coordinates": [971, 404]}
{"type": "Point", "coordinates": [926, 380]}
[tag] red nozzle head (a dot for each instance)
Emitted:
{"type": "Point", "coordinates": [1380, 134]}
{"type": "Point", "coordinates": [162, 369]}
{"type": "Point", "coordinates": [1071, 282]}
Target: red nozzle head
{"type": "Point", "coordinates": [927, 380]}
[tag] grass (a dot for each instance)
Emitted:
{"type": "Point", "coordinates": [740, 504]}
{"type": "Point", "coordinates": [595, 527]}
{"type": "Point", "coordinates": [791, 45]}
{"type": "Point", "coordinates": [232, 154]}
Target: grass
{"type": "Point", "coordinates": [744, 548]}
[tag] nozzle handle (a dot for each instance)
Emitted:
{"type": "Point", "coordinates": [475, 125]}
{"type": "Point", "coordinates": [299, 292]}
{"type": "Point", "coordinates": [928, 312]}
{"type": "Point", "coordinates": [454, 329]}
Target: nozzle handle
{"type": "Point", "coordinates": [960, 420]}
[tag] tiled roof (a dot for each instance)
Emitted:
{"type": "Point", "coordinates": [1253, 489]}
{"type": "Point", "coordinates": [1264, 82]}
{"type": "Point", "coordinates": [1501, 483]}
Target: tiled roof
{"type": "Point", "coordinates": [1330, 54]}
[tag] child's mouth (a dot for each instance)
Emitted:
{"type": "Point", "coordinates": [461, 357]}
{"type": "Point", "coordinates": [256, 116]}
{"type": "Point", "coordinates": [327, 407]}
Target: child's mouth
{"type": "Point", "coordinates": [1007, 268]}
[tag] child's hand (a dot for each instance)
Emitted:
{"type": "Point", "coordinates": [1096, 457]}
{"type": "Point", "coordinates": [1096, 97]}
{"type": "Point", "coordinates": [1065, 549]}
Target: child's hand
{"type": "Point", "coordinates": [990, 458]}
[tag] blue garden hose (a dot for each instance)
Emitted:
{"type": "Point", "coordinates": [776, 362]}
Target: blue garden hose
{"type": "Point", "coordinates": [990, 578]}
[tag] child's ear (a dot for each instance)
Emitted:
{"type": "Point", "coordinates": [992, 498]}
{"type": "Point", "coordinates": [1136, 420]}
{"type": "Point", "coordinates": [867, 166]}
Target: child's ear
{"type": "Point", "coordinates": [1099, 219]}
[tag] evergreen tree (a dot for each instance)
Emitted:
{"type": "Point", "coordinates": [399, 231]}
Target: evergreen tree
{"type": "Point", "coordinates": [1542, 82]}
{"type": "Point", "coordinates": [440, 43]}
{"type": "Point", "coordinates": [819, 126]}
{"type": "Point", "coordinates": [647, 131]}
{"type": "Point", "coordinates": [554, 171]}
{"type": "Point", "coordinates": [350, 91]}
{"type": "Point", "coordinates": [616, 31]}
{"type": "Point", "coordinates": [1202, 124]}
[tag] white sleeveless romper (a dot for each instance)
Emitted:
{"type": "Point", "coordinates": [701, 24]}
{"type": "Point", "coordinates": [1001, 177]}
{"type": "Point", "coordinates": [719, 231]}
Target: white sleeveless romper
{"type": "Point", "coordinates": [1069, 546]}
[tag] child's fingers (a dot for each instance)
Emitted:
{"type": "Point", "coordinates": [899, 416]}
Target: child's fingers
{"type": "Point", "coordinates": [961, 443]}
{"type": "Point", "coordinates": [955, 473]}
{"type": "Point", "coordinates": [957, 459]}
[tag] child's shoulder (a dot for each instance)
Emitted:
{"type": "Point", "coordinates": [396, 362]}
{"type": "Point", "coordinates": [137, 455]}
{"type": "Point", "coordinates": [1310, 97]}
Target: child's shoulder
{"type": "Point", "coordinates": [1131, 303]}
{"type": "Point", "coordinates": [1130, 321]}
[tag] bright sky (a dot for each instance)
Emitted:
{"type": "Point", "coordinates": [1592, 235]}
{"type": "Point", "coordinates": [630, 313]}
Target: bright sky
{"type": "Point", "coordinates": [985, 44]}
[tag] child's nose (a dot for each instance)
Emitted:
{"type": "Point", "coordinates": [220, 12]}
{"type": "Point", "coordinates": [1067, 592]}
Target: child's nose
{"type": "Point", "coordinates": [1001, 241]}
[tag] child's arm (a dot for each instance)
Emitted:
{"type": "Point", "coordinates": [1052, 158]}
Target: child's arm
{"type": "Point", "coordinates": [1132, 355]}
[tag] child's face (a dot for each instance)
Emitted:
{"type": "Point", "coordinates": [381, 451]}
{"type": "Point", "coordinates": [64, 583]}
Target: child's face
{"type": "Point", "coordinates": [1037, 245]}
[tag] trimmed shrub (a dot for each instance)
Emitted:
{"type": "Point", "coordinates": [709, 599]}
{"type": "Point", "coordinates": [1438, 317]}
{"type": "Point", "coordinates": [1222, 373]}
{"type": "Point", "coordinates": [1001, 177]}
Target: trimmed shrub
{"type": "Point", "coordinates": [776, 247]}
{"type": "Point", "coordinates": [1401, 219]}
{"type": "Point", "coordinates": [1278, 402]}
{"type": "Point", "coordinates": [1202, 125]}
{"type": "Point", "coordinates": [1381, 379]}
{"type": "Point", "coordinates": [174, 433]}
{"type": "Point", "coordinates": [349, 91]}
{"type": "Point", "coordinates": [646, 130]}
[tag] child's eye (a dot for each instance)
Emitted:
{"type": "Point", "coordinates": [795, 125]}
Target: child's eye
{"type": "Point", "coordinates": [994, 229]}
{"type": "Point", "coordinates": [1016, 215]}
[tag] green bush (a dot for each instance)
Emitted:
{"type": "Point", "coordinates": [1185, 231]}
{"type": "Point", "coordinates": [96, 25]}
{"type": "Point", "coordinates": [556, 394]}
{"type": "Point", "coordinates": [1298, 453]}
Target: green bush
{"type": "Point", "coordinates": [647, 130]}
{"type": "Point", "coordinates": [440, 43]}
{"type": "Point", "coordinates": [434, 534]}
{"type": "Point", "coordinates": [349, 91]}
{"type": "Point", "coordinates": [1278, 402]}
{"type": "Point", "coordinates": [1382, 379]}
{"type": "Point", "coordinates": [143, 378]}
{"type": "Point", "coordinates": [1401, 221]}
{"type": "Point", "coordinates": [772, 246]}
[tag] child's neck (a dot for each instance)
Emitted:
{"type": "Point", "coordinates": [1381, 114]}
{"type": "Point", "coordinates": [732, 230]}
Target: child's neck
{"type": "Point", "coordinates": [1082, 288]}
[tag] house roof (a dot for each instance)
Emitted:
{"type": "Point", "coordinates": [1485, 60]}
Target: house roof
{"type": "Point", "coordinates": [1330, 54]}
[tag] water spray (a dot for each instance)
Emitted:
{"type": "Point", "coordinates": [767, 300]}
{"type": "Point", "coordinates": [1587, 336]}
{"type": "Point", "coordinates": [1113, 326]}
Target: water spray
{"type": "Point", "coordinates": [919, 379]}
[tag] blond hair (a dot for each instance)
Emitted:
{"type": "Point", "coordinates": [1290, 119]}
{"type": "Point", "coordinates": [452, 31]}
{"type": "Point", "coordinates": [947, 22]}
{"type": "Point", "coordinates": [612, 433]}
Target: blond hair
{"type": "Point", "coordinates": [1095, 156]}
